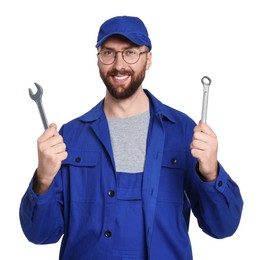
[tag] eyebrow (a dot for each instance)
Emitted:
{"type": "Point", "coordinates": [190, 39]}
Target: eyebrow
{"type": "Point", "coordinates": [123, 48]}
{"type": "Point", "coordinates": [129, 46]}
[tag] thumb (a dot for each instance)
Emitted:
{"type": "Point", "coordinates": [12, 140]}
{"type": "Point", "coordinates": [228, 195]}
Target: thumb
{"type": "Point", "coordinates": [53, 128]}
{"type": "Point", "coordinates": [53, 125]}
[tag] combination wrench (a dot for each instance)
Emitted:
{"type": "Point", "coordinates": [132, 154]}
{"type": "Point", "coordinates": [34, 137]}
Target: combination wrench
{"type": "Point", "coordinates": [37, 97]}
{"type": "Point", "coordinates": [206, 81]}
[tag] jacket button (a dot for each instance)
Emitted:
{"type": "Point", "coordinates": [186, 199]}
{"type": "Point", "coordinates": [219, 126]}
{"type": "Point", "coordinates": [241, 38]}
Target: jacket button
{"type": "Point", "coordinates": [108, 233]}
{"type": "Point", "coordinates": [78, 159]}
{"type": "Point", "coordinates": [174, 160]}
{"type": "Point", "coordinates": [111, 193]}
{"type": "Point", "coordinates": [220, 183]}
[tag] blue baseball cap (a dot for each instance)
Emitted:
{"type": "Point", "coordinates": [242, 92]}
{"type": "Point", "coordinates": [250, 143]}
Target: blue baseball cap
{"type": "Point", "coordinates": [130, 27]}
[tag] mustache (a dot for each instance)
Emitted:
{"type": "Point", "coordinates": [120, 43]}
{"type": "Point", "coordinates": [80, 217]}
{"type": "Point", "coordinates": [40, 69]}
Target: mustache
{"type": "Point", "coordinates": [115, 71]}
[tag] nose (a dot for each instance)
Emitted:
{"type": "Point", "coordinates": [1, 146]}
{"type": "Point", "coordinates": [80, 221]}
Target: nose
{"type": "Point", "coordinates": [119, 61]}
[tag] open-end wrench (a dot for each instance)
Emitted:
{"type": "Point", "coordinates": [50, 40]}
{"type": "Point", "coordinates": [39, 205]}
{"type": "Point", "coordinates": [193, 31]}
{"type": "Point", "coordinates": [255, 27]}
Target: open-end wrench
{"type": "Point", "coordinates": [37, 97]}
{"type": "Point", "coordinates": [206, 81]}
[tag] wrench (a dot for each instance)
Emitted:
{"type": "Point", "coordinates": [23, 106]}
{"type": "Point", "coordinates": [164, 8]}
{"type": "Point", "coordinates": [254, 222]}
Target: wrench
{"type": "Point", "coordinates": [206, 81]}
{"type": "Point", "coordinates": [37, 97]}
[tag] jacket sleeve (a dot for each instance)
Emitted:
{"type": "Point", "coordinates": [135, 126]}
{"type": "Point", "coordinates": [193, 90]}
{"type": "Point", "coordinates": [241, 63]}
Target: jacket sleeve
{"type": "Point", "coordinates": [41, 215]}
{"type": "Point", "coordinates": [217, 205]}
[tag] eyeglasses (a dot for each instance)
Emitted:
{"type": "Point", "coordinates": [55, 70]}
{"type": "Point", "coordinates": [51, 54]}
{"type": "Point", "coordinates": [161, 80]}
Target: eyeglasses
{"type": "Point", "coordinates": [130, 56]}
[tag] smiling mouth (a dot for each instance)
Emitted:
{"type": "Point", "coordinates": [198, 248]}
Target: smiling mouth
{"type": "Point", "coordinates": [121, 78]}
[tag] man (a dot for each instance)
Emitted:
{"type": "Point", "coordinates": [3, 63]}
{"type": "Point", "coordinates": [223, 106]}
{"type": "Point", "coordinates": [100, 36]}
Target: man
{"type": "Point", "coordinates": [119, 182]}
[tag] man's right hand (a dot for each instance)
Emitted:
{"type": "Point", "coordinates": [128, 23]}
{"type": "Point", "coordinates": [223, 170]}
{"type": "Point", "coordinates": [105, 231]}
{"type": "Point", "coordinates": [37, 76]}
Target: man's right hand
{"type": "Point", "coordinates": [51, 152]}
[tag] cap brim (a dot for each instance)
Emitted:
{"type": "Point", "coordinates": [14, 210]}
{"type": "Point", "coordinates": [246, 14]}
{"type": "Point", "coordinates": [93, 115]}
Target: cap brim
{"type": "Point", "coordinates": [133, 37]}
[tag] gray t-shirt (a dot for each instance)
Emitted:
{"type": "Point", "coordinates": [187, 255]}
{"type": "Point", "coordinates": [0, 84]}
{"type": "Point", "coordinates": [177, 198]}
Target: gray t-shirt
{"type": "Point", "coordinates": [128, 139]}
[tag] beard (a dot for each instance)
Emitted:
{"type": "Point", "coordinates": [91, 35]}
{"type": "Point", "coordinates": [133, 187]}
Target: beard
{"type": "Point", "coordinates": [126, 91]}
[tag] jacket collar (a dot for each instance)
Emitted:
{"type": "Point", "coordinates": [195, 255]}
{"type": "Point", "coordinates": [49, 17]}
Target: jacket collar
{"type": "Point", "coordinates": [158, 107]}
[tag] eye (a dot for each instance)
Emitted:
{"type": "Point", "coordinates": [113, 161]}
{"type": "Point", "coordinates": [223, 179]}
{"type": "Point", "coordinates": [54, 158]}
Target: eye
{"type": "Point", "coordinates": [130, 52]}
{"type": "Point", "coordinates": [108, 53]}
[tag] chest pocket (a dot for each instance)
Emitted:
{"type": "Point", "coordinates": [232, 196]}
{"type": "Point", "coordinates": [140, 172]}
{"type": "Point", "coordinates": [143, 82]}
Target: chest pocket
{"type": "Point", "coordinates": [82, 175]}
{"type": "Point", "coordinates": [171, 185]}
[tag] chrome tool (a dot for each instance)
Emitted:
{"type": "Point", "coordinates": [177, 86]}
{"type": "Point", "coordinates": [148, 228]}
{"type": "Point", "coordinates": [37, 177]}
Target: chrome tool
{"type": "Point", "coordinates": [206, 81]}
{"type": "Point", "coordinates": [37, 97]}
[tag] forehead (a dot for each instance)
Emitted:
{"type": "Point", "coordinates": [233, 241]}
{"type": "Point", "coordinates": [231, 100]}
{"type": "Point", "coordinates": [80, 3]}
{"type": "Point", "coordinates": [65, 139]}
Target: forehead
{"type": "Point", "coordinates": [118, 40]}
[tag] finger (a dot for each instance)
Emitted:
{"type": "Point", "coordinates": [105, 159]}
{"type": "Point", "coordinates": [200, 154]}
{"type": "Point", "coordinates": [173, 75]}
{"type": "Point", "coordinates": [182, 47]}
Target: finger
{"type": "Point", "coordinates": [196, 153]}
{"type": "Point", "coordinates": [54, 154]}
{"type": "Point", "coordinates": [58, 148]}
{"type": "Point", "coordinates": [205, 128]}
{"type": "Point", "coordinates": [200, 136]}
{"type": "Point", "coordinates": [49, 132]}
{"type": "Point", "coordinates": [199, 145]}
{"type": "Point", "coordinates": [63, 156]}
{"type": "Point", "coordinates": [54, 140]}
{"type": "Point", "coordinates": [51, 142]}
{"type": "Point", "coordinates": [57, 157]}
{"type": "Point", "coordinates": [201, 155]}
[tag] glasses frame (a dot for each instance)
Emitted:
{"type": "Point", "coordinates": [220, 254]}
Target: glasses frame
{"type": "Point", "coordinates": [123, 57]}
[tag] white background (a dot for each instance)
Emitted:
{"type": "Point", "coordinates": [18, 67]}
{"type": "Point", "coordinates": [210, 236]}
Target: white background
{"type": "Point", "coordinates": [52, 42]}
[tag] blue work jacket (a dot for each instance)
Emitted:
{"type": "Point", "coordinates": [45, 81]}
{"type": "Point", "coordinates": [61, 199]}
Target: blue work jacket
{"type": "Point", "coordinates": [80, 205]}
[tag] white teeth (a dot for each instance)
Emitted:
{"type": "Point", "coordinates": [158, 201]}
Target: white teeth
{"type": "Point", "coordinates": [120, 78]}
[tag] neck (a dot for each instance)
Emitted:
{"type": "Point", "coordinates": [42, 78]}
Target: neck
{"type": "Point", "coordinates": [138, 103]}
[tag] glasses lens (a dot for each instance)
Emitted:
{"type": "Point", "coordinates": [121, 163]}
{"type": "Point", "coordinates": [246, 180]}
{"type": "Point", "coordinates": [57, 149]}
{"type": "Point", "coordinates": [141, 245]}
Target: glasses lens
{"type": "Point", "coordinates": [131, 56]}
{"type": "Point", "coordinates": [107, 56]}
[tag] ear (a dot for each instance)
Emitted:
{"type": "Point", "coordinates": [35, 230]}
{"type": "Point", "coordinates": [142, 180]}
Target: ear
{"type": "Point", "coordinates": [149, 60]}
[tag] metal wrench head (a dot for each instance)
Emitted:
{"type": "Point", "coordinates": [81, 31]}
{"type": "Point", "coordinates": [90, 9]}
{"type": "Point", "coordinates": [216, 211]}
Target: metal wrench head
{"type": "Point", "coordinates": [206, 81]}
{"type": "Point", "coordinates": [38, 94]}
